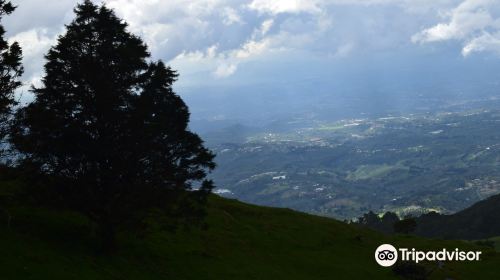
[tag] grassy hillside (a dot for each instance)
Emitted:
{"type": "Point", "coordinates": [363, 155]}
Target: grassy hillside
{"type": "Point", "coordinates": [241, 242]}
{"type": "Point", "coordinates": [496, 242]}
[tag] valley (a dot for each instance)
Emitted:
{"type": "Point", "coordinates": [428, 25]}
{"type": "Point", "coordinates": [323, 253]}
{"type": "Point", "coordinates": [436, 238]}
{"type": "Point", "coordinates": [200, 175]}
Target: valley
{"type": "Point", "coordinates": [409, 164]}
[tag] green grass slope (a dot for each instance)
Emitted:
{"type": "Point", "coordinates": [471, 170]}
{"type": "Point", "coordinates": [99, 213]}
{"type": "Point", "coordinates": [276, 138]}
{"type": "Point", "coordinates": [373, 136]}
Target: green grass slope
{"type": "Point", "coordinates": [242, 242]}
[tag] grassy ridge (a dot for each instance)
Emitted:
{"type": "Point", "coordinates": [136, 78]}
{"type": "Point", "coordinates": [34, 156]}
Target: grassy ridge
{"type": "Point", "coordinates": [242, 242]}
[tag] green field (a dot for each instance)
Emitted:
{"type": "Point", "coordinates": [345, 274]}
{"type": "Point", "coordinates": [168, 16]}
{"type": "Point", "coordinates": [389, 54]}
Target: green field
{"type": "Point", "coordinates": [365, 172]}
{"type": "Point", "coordinates": [241, 242]}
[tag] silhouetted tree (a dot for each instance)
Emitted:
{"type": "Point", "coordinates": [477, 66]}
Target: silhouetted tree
{"type": "Point", "coordinates": [370, 220]}
{"type": "Point", "coordinates": [388, 221]}
{"type": "Point", "coordinates": [405, 226]}
{"type": "Point", "coordinates": [107, 131]}
{"type": "Point", "coordinates": [383, 224]}
{"type": "Point", "coordinates": [10, 70]}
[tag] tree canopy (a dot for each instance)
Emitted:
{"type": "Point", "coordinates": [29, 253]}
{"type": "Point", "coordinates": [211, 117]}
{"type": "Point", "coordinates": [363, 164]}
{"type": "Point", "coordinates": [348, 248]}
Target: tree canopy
{"type": "Point", "coordinates": [10, 71]}
{"type": "Point", "coordinates": [107, 131]}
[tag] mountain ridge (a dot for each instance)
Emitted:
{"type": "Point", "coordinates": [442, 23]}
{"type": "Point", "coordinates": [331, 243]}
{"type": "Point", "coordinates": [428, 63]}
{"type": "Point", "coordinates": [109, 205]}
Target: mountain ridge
{"type": "Point", "coordinates": [478, 221]}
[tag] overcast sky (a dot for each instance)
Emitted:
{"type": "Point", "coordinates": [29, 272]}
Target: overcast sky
{"type": "Point", "coordinates": [214, 41]}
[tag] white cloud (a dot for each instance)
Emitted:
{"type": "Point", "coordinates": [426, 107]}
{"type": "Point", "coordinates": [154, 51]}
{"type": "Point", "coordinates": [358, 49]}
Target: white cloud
{"type": "Point", "coordinates": [266, 26]}
{"type": "Point", "coordinates": [34, 42]}
{"type": "Point", "coordinates": [476, 23]}
{"type": "Point", "coordinates": [486, 42]}
{"type": "Point", "coordinates": [217, 37]}
{"type": "Point", "coordinates": [231, 16]}
{"type": "Point", "coordinates": [225, 70]}
{"type": "Point", "coordinates": [285, 6]}
{"type": "Point", "coordinates": [251, 48]}
{"type": "Point", "coordinates": [211, 51]}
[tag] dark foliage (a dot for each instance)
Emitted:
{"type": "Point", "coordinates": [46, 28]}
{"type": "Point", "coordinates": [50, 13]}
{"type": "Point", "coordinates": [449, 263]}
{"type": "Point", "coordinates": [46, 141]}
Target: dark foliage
{"type": "Point", "coordinates": [106, 134]}
{"type": "Point", "coordinates": [405, 226]}
{"type": "Point", "coordinates": [10, 70]}
{"type": "Point", "coordinates": [373, 221]}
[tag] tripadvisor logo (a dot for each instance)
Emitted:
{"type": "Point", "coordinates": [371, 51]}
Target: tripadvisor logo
{"type": "Point", "coordinates": [387, 255]}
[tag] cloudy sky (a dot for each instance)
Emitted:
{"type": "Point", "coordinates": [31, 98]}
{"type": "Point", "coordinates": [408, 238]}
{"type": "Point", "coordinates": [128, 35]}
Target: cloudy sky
{"type": "Point", "coordinates": [244, 41]}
